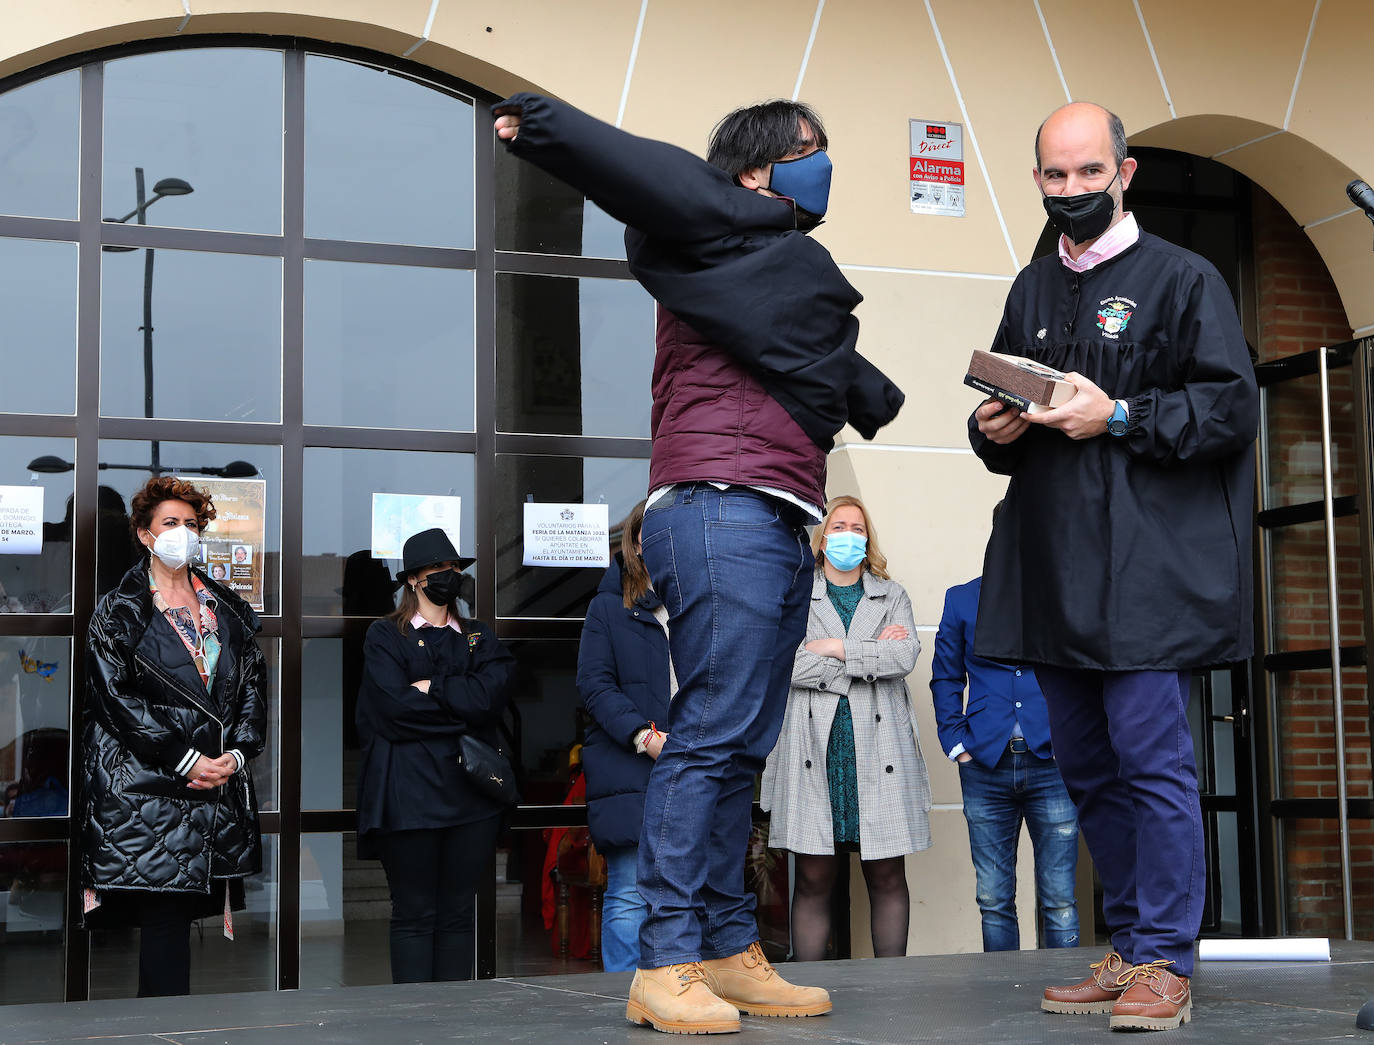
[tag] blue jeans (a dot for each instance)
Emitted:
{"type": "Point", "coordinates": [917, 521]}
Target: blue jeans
{"type": "Point", "coordinates": [622, 911]}
{"type": "Point", "coordinates": [1020, 788]}
{"type": "Point", "coordinates": [735, 570]}
{"type": "Point", "coordinates": [1126, 753]}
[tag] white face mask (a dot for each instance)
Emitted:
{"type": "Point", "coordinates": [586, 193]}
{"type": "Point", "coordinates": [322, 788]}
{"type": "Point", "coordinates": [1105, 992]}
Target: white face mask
{"type": "Point", "coordinates": [176, 547]}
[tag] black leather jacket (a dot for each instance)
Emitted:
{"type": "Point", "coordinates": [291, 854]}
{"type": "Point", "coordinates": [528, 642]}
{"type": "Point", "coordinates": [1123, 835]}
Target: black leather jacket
{"type": "Point", "coordinates": [142, 827]}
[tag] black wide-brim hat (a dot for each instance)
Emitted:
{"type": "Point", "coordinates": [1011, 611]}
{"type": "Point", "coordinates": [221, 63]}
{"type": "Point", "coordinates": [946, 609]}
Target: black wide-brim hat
{"type": "Point", "coordinates": [428, 547]}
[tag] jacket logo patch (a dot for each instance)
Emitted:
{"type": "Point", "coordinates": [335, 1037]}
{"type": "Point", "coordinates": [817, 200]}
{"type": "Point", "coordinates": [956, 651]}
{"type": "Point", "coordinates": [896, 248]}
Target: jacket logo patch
{"type": "Point", "coordinates": [1041, 335]}
{"type": "Point", "coordinates": [473, 638]}
{"type": "Point", "coordinates": [1113, 314]}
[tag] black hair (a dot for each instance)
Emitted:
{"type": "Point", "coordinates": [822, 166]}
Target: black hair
{"type": "Point", "coordinates": [756, 135]}
{"type": "Point", "coordinates": [1115, 128]}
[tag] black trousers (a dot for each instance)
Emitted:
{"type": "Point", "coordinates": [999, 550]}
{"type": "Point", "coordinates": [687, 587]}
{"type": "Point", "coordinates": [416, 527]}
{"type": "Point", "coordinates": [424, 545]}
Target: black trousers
{"type": "Point", "coordinates": [164, 946]}
{"type": "Point", "coordinates": [433, 875]}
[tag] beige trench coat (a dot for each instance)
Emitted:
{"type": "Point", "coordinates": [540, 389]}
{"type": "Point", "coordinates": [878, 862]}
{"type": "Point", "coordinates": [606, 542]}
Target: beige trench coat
{"type": "Point", "coordinates": [894, 790]}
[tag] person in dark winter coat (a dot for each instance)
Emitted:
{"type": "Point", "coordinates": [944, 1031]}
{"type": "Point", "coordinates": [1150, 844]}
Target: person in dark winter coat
{"type": "Point", "coordinates": [176, 708]}
{"type": "Point", "coordinates": [1121, 558]}
{"type": "Point", "coordinates": [624, 676]}
{"type": "Point", "coordinates": [755, 372]}
{"type": "Point", "coordinates": [428, 678]}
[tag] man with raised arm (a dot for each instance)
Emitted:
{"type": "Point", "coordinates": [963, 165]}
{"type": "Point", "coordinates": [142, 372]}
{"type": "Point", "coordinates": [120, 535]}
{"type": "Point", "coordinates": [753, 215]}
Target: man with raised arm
{"type": "Point", "coordinates": [755, 372]}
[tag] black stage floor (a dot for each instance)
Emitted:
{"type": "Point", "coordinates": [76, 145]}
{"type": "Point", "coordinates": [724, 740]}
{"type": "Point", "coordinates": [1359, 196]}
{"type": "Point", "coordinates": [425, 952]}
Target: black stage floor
{"type": "Point", "coordinates": [972, 998]}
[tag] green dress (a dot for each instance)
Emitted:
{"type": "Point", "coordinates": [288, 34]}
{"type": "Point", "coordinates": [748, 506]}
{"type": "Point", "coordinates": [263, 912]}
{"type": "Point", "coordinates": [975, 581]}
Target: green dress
{"type": "Point", "coordinates": [841, 772]}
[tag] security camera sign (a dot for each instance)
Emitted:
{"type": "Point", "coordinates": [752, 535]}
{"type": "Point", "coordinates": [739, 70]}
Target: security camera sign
{"type": "Point", "coordinates": [21, 520]}
{"type": "Point", "coordinates": [937, 168]}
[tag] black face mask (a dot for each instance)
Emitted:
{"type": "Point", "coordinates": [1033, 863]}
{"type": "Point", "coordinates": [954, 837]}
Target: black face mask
{"type": "Point", "coordinates": [1082, 217]}
{"type": "Point", "coordinates": [443, 587]}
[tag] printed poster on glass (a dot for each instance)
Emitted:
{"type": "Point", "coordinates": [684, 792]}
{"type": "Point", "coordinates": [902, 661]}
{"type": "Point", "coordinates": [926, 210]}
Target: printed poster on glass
{"type": "Point", "coordinates": [937, 168]}
{"type": "Point", "coordinates": [233, 545]}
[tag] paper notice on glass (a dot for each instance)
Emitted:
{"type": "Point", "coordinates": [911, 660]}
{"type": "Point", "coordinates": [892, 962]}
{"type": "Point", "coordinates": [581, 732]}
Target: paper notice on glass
{"type": "Point", "coordinates": [233, 546]}
{"type": "Point", "coordinates": [1282, 950]}
{"type": "Point", "coordinates": [398, 516]}
{"type": "Point", "coordinates": [937, 168]}
{"type": "Point", "coordinates": [21, 520]}
{"type": "Point", "coordinates": [567, 535]}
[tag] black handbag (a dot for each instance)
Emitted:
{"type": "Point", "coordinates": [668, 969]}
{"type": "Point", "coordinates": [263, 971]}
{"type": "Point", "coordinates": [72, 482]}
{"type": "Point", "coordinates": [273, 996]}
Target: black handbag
{"type": "Point", "coordinates": [488, 769]}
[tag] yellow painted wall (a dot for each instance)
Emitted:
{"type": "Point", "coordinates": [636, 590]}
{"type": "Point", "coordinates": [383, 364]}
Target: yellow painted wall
{"type": "Point", "coordinates": [1270, 87]}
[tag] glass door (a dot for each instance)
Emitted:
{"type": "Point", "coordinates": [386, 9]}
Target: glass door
{"type": "Point", "coordinates": [1314, 600]}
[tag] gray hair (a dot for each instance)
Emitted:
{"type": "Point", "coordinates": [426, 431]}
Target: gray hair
{"type": "Point", "coordinates": [1115, 128]}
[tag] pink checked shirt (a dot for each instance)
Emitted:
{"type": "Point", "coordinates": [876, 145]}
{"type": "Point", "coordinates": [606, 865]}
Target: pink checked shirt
{"type": "Point", "coordinates": [1111, 243]}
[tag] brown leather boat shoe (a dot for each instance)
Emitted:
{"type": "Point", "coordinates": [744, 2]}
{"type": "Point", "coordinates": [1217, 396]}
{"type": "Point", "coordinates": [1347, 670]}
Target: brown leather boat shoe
{"type": "Point", "coordinates": [1154, 999]}
{"type": "Point", "coordinates": [1096, 994]}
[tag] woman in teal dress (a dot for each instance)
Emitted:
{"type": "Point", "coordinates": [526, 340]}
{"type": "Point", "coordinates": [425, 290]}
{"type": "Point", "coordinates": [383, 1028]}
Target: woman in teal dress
{"type": "Point", "coordinates": [847, 773]}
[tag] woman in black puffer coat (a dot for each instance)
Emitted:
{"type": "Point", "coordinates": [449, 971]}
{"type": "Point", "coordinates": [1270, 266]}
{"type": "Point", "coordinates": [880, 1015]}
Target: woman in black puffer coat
{"type": "Point", "coordinates": [625, 680]}
{"type": "Point", "coordinates": [176, 709]}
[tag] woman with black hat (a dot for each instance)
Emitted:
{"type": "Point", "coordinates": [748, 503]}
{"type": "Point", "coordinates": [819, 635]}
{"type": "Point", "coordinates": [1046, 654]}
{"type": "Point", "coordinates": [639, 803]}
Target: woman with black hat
{"type": "Point", "coordinates": [428, 678]}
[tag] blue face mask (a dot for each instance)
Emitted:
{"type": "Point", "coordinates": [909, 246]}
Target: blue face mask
{"type": "Point", "coordinates": [806, 182]}
{"type": "Point", "coordinates": [845, 550]}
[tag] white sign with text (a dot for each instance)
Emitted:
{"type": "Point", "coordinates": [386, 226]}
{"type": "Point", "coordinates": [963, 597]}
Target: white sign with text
{"type": "Point", "coordinates": [567, 534]}
{"type": "Point", "coordinates": [21, 520]}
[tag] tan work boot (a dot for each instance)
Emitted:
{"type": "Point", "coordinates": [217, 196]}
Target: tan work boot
{"type": "Point", "coordinates": [1155, 999]}
{"type": "Point", "coordinates": [750, 983]}
{"type": "Point", "coordinates": [676, 1000]}
{"type": "Point", "coordinates": [1096, 994]}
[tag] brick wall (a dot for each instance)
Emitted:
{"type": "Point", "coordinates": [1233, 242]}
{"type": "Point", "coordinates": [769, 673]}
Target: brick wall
{"type": "Point", "coordinates": [1300, 310]}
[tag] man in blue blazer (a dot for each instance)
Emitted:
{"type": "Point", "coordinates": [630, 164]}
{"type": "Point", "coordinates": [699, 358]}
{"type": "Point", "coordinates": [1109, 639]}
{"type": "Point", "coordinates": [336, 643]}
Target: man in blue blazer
{"type": "Point", "coordinates": [1001, 742]}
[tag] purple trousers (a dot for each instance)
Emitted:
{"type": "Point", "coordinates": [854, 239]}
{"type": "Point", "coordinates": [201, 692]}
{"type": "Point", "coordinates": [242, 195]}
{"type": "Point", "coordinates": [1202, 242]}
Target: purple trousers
{"type": "Point", "coordinates": [1125, 751]}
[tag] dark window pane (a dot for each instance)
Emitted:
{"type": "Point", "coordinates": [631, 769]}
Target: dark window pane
{"type": "Point", "coordinates": [331, 671]}
{"type": "Point", "coordinates": [341, 575]}
{"type": "Point", "coordinates": [345, 914]}
{"type": "Point", "coordinates": [266, 768]}
{"type": "Point", "coordinates": [41, 582]}
{"type": "Point", "coordinates": [127, 464]}
{"type": "Point", "coordinates": [541, 591]}
{"type": "Point", "coordinates": [1293, 445]}
{"type": "Point", "coordinates": [38, 147]}
{"type": "Point", "coordinates": [573, 356]}
{"type": "Point", "coordinates": [248, 962]}
{"type": "Point", "coordinates": [215, 336]}
{"type": "Point", "coordinates": [35, 687]}
{"type": "Point", "coordinates": [388, 346]}
{"type": "Point", "coordinates": [38, 338]}
{"type": "Point", "coordinates": [538, 214]}
{"type": "Point", "coordinates": [387, 160]}
{"type": "Point", "coordinates": [208, 117]}
{"type": "Point", "coordinates": [550, 721]}
{"type": "Point", "coordinates": [33, 880]}
{"type": "Point", "coordinates": [1301, 614]}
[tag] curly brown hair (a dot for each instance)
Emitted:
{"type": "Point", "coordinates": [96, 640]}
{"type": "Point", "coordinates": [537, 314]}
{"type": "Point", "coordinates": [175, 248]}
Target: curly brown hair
{"type": "Point", "coordinates": [162, 488]}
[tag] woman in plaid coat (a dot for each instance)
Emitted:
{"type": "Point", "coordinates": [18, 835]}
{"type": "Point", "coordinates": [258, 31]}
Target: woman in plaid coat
{"type": "Point", "coordinates": [847, 773]}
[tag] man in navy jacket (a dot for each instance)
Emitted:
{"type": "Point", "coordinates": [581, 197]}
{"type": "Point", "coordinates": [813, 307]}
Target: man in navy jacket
{"type": "Point", "coordinates": [1001, 743]}
{"type": "Point", "coordinates": [1121, 559]}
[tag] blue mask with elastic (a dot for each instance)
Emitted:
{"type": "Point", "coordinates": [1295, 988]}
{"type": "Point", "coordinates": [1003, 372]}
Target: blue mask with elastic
{"type": "Point", "coordinates": [806, 182]}
{"type": "Point", "coordinates": [845, 550]}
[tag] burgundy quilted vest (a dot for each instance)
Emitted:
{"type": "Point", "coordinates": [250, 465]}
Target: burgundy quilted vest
{"type": "Point", "coordinates": [712, 420]}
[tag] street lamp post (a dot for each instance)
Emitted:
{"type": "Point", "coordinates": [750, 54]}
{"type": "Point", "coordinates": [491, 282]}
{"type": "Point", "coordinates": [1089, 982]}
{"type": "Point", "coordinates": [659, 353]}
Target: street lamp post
{"type": "Point", "coordinates": [165, 187]}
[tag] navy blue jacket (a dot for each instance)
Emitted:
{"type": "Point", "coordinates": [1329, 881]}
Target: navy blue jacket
{"type": "Point", "coordinates": [622, 675]}
{"type": "Point", "coordinates": [409, 778]}
{"type": "Point", "coordinates": [998, 694]}
{"type": "Point", "coordinates": [1127, 553]}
